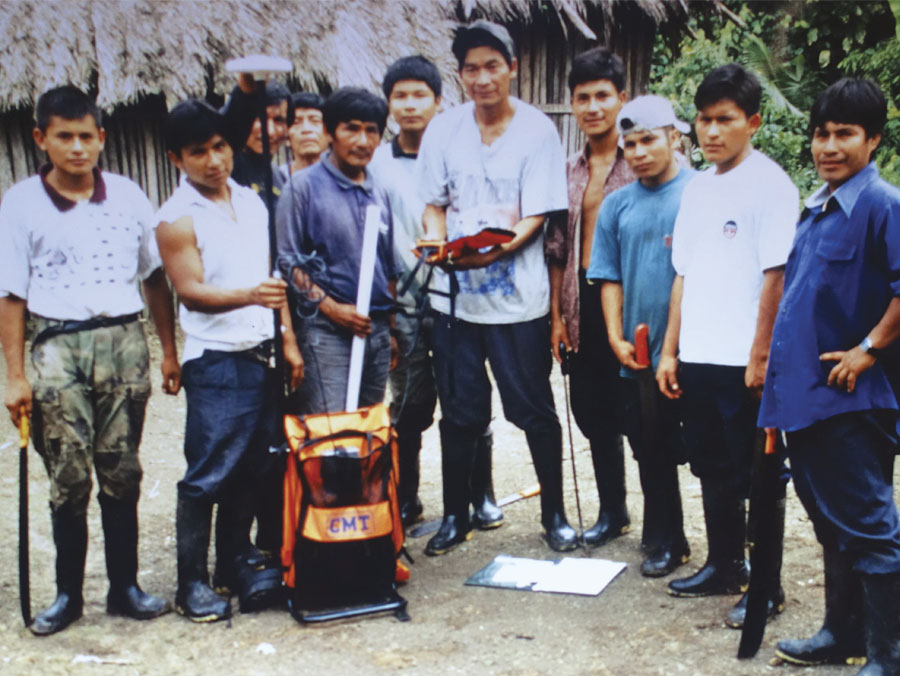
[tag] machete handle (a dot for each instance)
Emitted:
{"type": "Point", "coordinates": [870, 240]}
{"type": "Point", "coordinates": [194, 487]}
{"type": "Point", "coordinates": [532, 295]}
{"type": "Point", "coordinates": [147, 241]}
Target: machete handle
{"type": "Point", "coordinates": [530, 492]}
{"type": "Point", "coordinates": [770, 441]}
{"type": "Point", "coordinates": [641, 344]}
{"type": "Point", "coordinates": [24, 428]}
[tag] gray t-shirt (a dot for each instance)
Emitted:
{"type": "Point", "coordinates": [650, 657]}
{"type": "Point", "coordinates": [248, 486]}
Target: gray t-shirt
{"type": "Point", "coordinates": [520, 174]}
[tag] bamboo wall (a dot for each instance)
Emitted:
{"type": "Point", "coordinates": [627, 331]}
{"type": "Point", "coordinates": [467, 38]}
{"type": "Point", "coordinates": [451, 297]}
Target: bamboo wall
{"type": "Point", "coordinates": [546, 54]}
{"type": "Point", "coordinates": [134, 147]}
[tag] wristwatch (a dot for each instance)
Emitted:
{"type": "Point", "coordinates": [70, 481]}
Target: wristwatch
{"type": "Point", "coordinates": [867, 347]}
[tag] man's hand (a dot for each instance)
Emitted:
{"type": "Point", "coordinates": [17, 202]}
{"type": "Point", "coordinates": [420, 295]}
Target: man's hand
{"type": "Point", "coordinates": [271, 293]}
{"type": "Point", "coordinates": [850, 365]}
{"type": "Point", "coordinates": [624, 352]}
{"type": "Point", "coordinates": [667, 377]}
{"type": "Point", "coordinates": [294, 361]}
{"type": "Point", "coordinates": [171, 375]}
{"type": "Point", "coordinates": [395, 353]}
{"type": "Point", "coordinates": [755, 375]}
{"type": "Point", "coordinates": [473, 260]}
{"type": "Point", "coordinates": [559, 335]}
{"type": "Point", "coordinates": [246, 83]}
{"type": "Point", "coordinates": [345, 315]}
{"type": "Point", "coordinates": [18, 396]}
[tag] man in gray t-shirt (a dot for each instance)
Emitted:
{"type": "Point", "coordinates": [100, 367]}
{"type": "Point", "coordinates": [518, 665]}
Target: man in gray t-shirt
{"type": "Point", "coordinates": [493, 162]}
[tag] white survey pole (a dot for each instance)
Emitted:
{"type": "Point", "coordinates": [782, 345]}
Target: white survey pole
{"type": "Point", "coordinates": [363, 300]}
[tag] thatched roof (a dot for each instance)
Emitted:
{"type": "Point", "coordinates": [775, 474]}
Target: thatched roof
{"type": "Point", "coordinates": [129, 48]}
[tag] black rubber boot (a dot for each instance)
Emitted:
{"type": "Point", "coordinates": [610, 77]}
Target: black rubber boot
{"type": "Point", "coordinates": [268, 501]}
{"type": "Point", "coordinates": [195, 599]}
{"type": "Point", "coordinates": [234, 518]}
{"type": "Point", "coordinates": [546, 454]}
{"type": "Point", "coordinates": [70, 535]}
{"type": "Point", "coordinates": [120, 541]}
{"type": "Point", "coordinates": [485, 512]}
{"type": "Point", "coordinates": [841, 639]}
{"type": "Point", "coordinates": [725, 570]}
{"type": "Point", "coordinates": [775, 602]}
{"type": "Point", "coordinates": [608, 456]}
{"type": "Point", "coordinates": [409, 445]}
{"type": "Point", "coordinates": [881, 607]}
{"type": "Point", "coordinates": [457, 454]}
{"type": "Point", "coordinates": [662, 540]}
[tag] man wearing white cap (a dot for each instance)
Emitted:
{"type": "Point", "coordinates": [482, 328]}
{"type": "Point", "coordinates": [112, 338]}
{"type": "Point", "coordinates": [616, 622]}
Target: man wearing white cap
{"type": "Point", "coordinates": [632, 257]}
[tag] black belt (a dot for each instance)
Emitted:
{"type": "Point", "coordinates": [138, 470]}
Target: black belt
{"type": "Point", "coordinates": [77, 325]}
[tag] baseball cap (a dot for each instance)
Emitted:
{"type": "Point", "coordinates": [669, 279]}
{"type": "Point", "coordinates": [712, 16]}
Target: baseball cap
{"type": "Point", "coordinates": [648, 112]}
{"type": "Point", "coordinates": [497, 35]}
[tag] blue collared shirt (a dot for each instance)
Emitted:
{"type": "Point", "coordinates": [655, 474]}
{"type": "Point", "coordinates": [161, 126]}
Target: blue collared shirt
{"type": "Point", "coordinates": [323, 211]}
{"type": "Point", "coordinates": [843, 271]}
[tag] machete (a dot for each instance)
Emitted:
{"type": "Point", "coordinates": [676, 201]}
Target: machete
{"type": "Point", "coordinates": [439, 251]}
{"type": "Point", "coordinates": [763, 495]}
{"type": "Point", "coordinates": [647, 388]}
{"type": "Point", "coordinates": [432, 526]}
{"type": "Point", "coordinates": [24, 577]}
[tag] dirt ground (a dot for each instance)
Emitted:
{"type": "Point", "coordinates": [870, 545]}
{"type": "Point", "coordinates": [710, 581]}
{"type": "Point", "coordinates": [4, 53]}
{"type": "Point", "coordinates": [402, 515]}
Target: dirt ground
{"type": "Point", "coordinates": [633, 627]}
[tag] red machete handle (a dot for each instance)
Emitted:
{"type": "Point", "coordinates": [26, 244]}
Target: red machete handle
{"type": "Point", "coordinates": [641, 345]}
{"type": "Point", "coordinates": [770, 441]}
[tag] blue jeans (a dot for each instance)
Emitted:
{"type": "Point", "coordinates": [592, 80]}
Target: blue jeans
{"type": "Point", "coordinates": [520, 359]}
{"type": "Point", "coordinates": [232, 418]}
{"type": "Point", "coordinates": [843, 469]}
{"type": "Point", "coordinates": [325, 347]}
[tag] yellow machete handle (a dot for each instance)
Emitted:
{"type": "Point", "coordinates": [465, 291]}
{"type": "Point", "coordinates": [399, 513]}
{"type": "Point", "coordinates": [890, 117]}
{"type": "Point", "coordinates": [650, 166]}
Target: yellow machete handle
{"type": "Point", "coordinates": [24, 428]}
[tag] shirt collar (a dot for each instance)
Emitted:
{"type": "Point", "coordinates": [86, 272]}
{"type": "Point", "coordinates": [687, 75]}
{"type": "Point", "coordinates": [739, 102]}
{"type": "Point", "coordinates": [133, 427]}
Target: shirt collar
{"type": "Point", "coordinates": [847, 194]}
{"type": "Point", "coordinates": [367, 185]}
{"type": "Point", "coordinates": [194, 196]}
{"type": "Point", "coordinates": [397, 151]}
{"type": "Point", "coordinates": [586, 154]}
{"type": "Point", "coordinates": [64, 203]}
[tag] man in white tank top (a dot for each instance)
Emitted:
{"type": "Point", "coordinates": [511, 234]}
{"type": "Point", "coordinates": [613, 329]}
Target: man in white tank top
{"type": "Point", "coordinates": [213, 241]}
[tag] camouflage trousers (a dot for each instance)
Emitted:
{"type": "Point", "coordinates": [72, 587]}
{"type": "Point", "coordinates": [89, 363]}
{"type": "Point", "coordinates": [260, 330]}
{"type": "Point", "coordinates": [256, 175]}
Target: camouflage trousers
{"type": "Point", "coordinates": [90, 395]}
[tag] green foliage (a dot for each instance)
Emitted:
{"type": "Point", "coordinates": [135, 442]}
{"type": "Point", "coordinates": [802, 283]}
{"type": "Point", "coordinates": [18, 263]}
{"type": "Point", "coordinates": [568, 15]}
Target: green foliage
{"type": "Point", "coordinates": [796, 49]}
{"type": "Point", "coordinates": [882, 64]}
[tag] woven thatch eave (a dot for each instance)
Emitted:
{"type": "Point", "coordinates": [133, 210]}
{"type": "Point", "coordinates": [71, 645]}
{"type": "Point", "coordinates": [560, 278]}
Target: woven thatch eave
{"type": "Point", "coordinates": [575, 12]}
{"type": "Point", "coordinates": [127, 49]}
{"type": "Point", "coordinates": [179, 47]}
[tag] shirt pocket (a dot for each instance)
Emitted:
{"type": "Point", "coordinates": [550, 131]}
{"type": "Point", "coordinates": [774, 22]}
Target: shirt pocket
{"type": "Point", "coordinates": [836, 250]}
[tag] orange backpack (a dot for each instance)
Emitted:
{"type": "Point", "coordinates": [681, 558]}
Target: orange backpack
{"type": "Point", "coordinates": [342, 528]}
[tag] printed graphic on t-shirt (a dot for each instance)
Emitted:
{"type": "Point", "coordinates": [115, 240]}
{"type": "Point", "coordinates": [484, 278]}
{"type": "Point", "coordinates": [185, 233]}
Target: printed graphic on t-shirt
{"type": "Point", "coordinates": [481, 202]}
{"type": "Point", "coordinates": [729, 229]}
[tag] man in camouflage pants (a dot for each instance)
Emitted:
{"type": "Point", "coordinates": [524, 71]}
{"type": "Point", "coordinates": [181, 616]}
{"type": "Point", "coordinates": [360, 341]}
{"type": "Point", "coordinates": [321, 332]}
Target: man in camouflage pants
{"type": "Point", "coordinates": [75, 242]}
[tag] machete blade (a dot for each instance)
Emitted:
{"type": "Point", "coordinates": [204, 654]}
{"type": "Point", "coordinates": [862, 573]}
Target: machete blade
{"type": "Point", "coordinates": [763, 496]}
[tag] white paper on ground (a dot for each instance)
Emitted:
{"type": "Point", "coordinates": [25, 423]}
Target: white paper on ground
{"type": "Point", "coordinates": [569, 575]}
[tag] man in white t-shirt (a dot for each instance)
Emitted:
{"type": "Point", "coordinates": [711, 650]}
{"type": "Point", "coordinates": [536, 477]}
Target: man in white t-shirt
{"type": "Point", "coordinates": [412, 86]}
{"type": "Point", "coordinates": [213, 239]}
{"type": "Point", "coordinates": [493, 162]}
{"type": "Point", "coordinates": [731, 241]}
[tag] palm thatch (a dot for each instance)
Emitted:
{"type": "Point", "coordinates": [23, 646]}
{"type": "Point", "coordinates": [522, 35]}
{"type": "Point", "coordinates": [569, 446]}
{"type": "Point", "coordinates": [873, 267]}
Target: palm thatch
{"type": "Point", "coordinates": [576, 11]}
{"type": "Point", "coordinates": [127, 49]}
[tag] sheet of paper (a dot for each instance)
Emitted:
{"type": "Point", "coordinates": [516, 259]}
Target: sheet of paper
{"type": "Point", "coordinates": [570, 575]}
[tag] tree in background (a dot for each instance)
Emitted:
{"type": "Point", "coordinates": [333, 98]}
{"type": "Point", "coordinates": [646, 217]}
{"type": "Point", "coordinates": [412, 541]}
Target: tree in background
{"type": "Point", "coordinates": [796, 48]}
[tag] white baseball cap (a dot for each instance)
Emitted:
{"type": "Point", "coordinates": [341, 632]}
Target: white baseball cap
{"type": "Point", "coordinates": [648, 112]}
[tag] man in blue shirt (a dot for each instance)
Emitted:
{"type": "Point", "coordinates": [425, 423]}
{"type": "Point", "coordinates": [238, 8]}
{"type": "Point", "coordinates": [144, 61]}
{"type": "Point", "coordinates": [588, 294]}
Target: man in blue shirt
{"type": "Point", "coordinates": [827, 385]}
{"type": "Point", "coordinates": [322, 212]}
{"type": "Point", "coordinates": [632, 256]}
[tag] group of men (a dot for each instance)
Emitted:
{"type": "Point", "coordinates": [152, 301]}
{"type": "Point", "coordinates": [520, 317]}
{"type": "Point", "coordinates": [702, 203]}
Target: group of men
{"type": "Point", "coordinates": [754, 320]}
